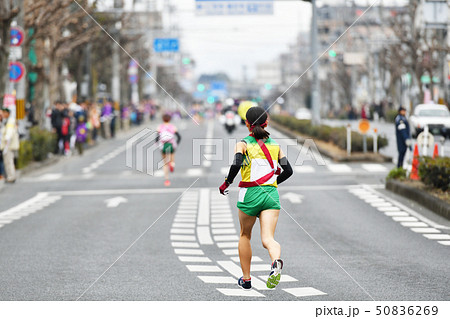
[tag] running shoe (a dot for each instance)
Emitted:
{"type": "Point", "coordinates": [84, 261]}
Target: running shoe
{"type": "Point", "coordinates": [171, 167]}
{"type": "Point", "coordinates": [275, 274]}
{"type": "Point", "coordinates": [245, 283]}
{"type": "Point", "coordinates": [167, 183]}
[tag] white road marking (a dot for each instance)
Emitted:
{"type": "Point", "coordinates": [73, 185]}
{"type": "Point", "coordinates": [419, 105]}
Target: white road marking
{"type": "Point", "coordinates": [204, 236]}
{"type": "Point", "coordinates": [218, 279]}
{"type": "Point", "coordinates": [185, 245]}
{"type": "Point", "coordinates": [188, 251]}
{"type": "Point", "coordinates": [183, 225]}
{"type": "Point", "coordinates": [50, 177]}
{"type": "Point", "coordinates": [230, 252]}
{"type": "Point", "coordinates": [228, 245]}
{"type": "Point", "coordinates": [254, 259]}
{"type": "Point", "coordinates": [261, 267]}
{"type": "Point", "coordinates": [203, 210]}
{"type": "Point", "coordinates": [445, 243]}
{"type": "Point", "coordinates": [194, 259]}
{"type": "Point", "coordinates": [182, 231]}
{"type": "Point", "coordinates": [304, 292]}
{"type": "Point", "coordinates": [381, 204]}
{"type": "Point", "coordinates": [388, 209]}
{"type": "Point", "coordinates": [390, 214]}
{"type": "Point", "coordinates": [374, 167]}
{"type": "Point", "coordinates": [405, 219]}
{"type": "Point", "coordinates": [238, 292]}
{"type": "Point", "coordinates": [183, 237]}
{"type": "Point", "coordinates": [437, 236]}
{"type": "Point", "coordinates": [193, 172]}
{"type": "Point", "coordinates": [221, 231]}
{"type": "Point", "coordinates": [304, 169]}
{"type": "Point", "coordinates": [221, 219]}
{"type": "Point", "coordinates": [339, 168]}
{"type": "Point", "coordinates": [222, 225]}
{"type": "Point", "coordinates": [226, 238]}
{"type": "Point", "coordinates": [199, 268]}
{"type": "Point", "coordinates": [414, 224]}
{"type": "Point", "coordinates": [425, 230]}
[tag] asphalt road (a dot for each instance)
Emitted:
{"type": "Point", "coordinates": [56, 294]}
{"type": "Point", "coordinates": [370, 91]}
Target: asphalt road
{"type": "Point", "coordinates": [91, 228]}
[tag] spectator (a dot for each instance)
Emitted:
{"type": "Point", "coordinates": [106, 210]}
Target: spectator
{"type": "Point", "coordinates": [2, 171]}
{"type": "Point", "coordinates": [94, 120]}
{"type": "Point", "coordinates": [9, 144]}
{"type": "Point", "coordinates": [403, 135]}
{"type": "Point", "coordinates": [57, 116]}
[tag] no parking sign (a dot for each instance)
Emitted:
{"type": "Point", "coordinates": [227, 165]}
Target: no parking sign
{"type": "Point", "coordinates": [16, 71]}
{"type": "Point", "coordinates": [16, 36]}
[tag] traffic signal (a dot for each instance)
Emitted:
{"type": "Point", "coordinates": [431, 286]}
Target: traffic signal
{"type": "Point", "coordinates": [332, 53]}
{"type": "Point", "coordinates": [200, 87]}
{"type": "Point", "coordinates": [211, 99]}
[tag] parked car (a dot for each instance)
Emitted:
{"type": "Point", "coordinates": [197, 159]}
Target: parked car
{"type": "Point", "coordinates": [436, 116]}
{"type": "Point", "coordinates": [303, 114]}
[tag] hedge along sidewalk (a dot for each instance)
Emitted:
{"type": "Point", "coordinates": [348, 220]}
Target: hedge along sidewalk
{"type": "Point", "coordinates": [331, 150]}
{"type": "Point", "coordinates": [421, 196]}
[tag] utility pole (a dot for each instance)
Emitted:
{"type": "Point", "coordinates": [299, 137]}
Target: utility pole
{"type": "Point", "coordinates": [314, 53]}
{"type": "Point", "coordinates": [115, 81]}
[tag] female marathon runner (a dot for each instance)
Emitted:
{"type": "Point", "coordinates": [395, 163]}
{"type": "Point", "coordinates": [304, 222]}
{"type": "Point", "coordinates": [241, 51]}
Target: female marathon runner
{"type": "Point", "coordinates": [167, 143]}
{"type": "Point", "coordinates": [258, 156]}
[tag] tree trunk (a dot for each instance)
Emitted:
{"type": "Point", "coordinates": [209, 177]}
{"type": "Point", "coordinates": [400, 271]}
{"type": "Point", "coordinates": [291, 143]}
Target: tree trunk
{"type": "Point", "coordinates": [4, 53]}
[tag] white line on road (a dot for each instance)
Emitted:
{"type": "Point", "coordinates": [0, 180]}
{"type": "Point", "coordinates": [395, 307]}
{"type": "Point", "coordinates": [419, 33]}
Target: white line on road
{"type": "Point", "coordinates": [188, 251]}
{"type": "Point", "coordinates": [304, 292]}
{"type": "Point", "coordinates": [199, 268]}
{"type": "Point", "coordinates": [203, 210]}
{"type": "Point", "coordinates": [437, 236]}
{"type": "Point", "coordinates": [425, 230]}
{"type": "Point", "coordinates": [204, 236]}
{"type": "Point", "coordinates": [194, 259]}
{"type": "Point", "coordinates": [238, 292]}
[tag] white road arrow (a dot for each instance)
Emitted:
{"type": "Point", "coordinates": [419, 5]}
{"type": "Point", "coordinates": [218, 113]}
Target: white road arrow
{"type": "Point", "coordinates": [293, 198]}
{"type": "Point", "coordinates": [115, 201]}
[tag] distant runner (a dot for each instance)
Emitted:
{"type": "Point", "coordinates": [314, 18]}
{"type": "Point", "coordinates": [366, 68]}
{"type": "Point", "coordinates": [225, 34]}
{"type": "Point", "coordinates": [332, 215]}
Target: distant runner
{"type": "Point", "coordinates": [258, 156]}
{"type": "Point", "coordinates": [168, 138]}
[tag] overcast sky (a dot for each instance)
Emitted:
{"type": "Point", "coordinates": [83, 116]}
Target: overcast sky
{"type": "Point", "coordinates": [226, 43]}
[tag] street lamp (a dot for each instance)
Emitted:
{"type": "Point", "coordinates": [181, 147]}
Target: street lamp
{"type": "Point", "coordinates": [315, 67]}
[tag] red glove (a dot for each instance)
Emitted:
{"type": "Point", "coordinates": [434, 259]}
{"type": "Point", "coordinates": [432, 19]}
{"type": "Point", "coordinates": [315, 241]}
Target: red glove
{"type": "Point", "coordinates": [223, 189]}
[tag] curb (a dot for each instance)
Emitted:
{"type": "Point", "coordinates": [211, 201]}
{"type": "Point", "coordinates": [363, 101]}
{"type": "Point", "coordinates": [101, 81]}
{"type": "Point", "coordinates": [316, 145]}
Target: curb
{"type": "Point", "coordinates": [431, 202]}
{"type": "Point", "coordinates": [355, 157]}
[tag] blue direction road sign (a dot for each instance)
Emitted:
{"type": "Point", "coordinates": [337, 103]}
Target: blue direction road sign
{"type": "Point", "coordinates": [234, 7]}
{"type": "Point", "coordinates": [166, 45]}
{"type": "Point", "coordinates": [16, 71]}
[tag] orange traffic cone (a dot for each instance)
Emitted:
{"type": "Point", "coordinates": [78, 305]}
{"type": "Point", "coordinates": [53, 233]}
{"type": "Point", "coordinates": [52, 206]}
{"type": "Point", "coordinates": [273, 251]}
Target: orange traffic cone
{"type": "Point", "coordinates": [436, 151]}
{"type": "Point", "coordinates": [415, 164]}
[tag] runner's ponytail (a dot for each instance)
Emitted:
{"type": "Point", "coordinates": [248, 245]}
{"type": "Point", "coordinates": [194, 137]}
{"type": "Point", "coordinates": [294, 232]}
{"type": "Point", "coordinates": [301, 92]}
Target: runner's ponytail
{"type": "Point", "coordinates": [257, 120]}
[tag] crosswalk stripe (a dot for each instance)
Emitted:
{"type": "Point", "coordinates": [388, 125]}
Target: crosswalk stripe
{"type": "Point", "coordinates": [230, 252]}
{"type": "Point", "coordinates": [254, 259]}
{"type": "Point", "coordinates": [445, 243]}
{"type": "Point", "coordinates": [399, 213]}
{"type": "Point", "coordinates": [374, 167]}
{"type": "Point", "coordinates": [260, 267]}
{"type": "Point", "coordinates": [339, 168]}
{"type": "Point", "coordinates": [238, 292]}
{"type": "Point", "coordinates": [414, 224]}
{"type": "Point", "coordinates": [228, 245]}
{"type": "Point", "coordinates": [437, 236]}
{"type": "Point", "coordinates": [226, 238]}
{"type": "Point", "coordinates": [204, 237]}
{"type": "Point", "coordinates": [222, 225]}
{"type": "Point", "coordinates": [200, 268]}
{"type": "Point", "coordinates": [194, 259]}
{"type": "Point", "coordinates": [220, 231]}
{"type": "Point", "coordinates": [182, 237]}
{"type": "Point", "coordinates": [188, 251]}
{"type": "Point", "coordinates": [185, 245]}
{"type": "Point", "coordinates": [304, 169]}
{"type": "Point", "coordinates": [405, 219]}
{"type": "Point", "coordinates": [183, 225]}
{"type": "Point", "coordinates": [218, 279]}
{"type": "Point", "coordinates": [425, 230]}
{"type": "Point", "coordinates": [388, 209]}
{"type": "Point", "coordinates": [304, 292]}
{"type": "Point", "coordinates": [182, 231]}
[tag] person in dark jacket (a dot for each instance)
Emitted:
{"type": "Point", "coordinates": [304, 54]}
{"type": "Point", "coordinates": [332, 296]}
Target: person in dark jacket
{"type": "Point", "coordinates": [403, 135]}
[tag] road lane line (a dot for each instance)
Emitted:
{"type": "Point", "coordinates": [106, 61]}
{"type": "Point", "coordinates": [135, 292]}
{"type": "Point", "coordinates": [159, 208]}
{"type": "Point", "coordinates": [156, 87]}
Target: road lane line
{"type": "Point", "coordinates": [228, 245]}
{"type": "Point", "coordinates": [217, 279]}
{"type": "Point", "coordinates": [203, 210]}
{"type": "Point", "coordinates": [222, 231]}
{"type": "Point", "coordinates": [204, 236]}
{"type": "Point", "coordinates": [445, 243]}
{"type": "Point", "coordinates": [238, 292]}
{"type": "Point", "coordinates": [405, 219]}
{"type": "Point", "coordinates": [184, 244]}
{"type": "Point", "coordinates": [437, 236]}
{"type": "Point", "coordinates": [182, 231]}
{"type": "Point", "coordinates": [183, 237]}
{"type": "Point", "coordinates": [425, 230]}
{"type": "Point", "coordinates": [414, 224]}
{"type": "Point", "coordinates": [226, 238]}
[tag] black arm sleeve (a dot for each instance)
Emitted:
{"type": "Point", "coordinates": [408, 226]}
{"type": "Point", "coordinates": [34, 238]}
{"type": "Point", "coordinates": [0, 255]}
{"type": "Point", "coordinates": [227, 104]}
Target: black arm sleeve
{"type": "Point", "coordinates": [234, 169]}
{"type": "Point", "coordinates": [287, 170]}
{"type": "Point", "coordinates": [178, 137]}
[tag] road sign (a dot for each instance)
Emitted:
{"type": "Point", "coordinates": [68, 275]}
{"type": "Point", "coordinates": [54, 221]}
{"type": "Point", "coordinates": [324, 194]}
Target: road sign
{"type": "Point", "coordinates": [9, 100]}
{"type": "Point", "coordinates": [166, 45]}
{"type": "Point", "coordinates": [364, 126]}
{"type": "Point", "coordinates": [234, 7]}
{"type": "Point", "coordinates": [16, 71]}
{"type": "Point", "coordinates": [16, 36]}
